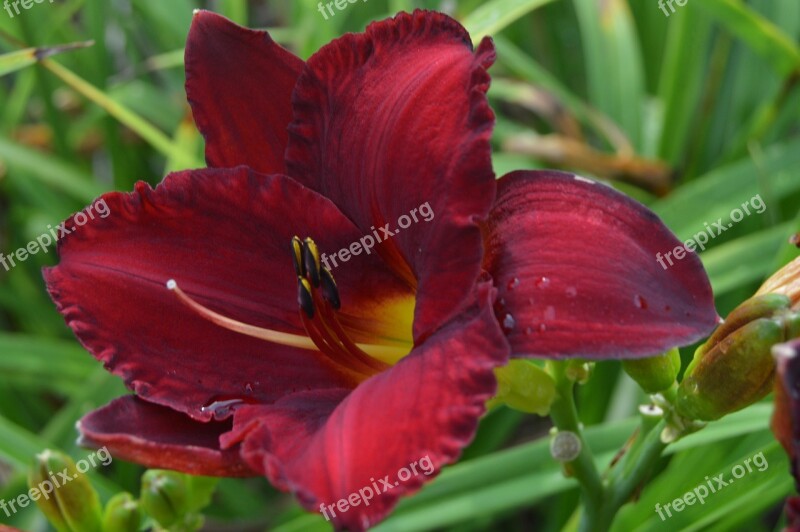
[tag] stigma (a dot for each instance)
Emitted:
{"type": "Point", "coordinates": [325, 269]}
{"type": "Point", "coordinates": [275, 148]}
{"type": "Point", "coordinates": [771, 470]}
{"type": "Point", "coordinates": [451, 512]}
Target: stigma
{"type": "Point", "coordinates": [318, 302]}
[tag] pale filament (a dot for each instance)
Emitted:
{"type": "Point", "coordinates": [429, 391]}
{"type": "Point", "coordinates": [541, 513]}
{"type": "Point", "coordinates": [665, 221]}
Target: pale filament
{"type": "Point", "coordinates": [381, 352]}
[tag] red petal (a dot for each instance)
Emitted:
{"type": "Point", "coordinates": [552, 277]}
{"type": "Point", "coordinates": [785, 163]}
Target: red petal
{"type": "Point", "coordinates": [393, 119]}
{"type": "Point", "coordinates": [158, 437]}
{"type": "Point", "coordinates": [326, 446]}
{"type": "Point", "coordinates": [786, 418]}
{"type": "Point", "coordinates": [576, 266]}
{"type": "Point", "coordinates": [224, 235]}
{"type": "Point", "coordinates": [239, 83]}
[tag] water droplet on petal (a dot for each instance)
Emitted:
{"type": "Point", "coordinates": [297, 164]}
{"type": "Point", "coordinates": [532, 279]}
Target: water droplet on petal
{"type": "Point", "coordinates": [248, 388]}
{"type": "Point", "coordinates": [542, 282]}
{"type": "Point", "coordinates": [542, 327]}
{"type": "Point", "coordinates": [529, 330]}
{"type": "Point", "coordinates": [513, 283]}
{"type": "Point", "coordinates": [571, 292]}
{"type": "Point", "coordinates": [509, 323]}
{"type": "Point", "coordinates": [550, 313]}
{"type": "Point", "coordinates": [222, 409]}
{"type": "Point", "coordinates": [640, 302]}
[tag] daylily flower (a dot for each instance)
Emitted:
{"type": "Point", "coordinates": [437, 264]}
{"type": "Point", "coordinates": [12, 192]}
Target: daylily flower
{"type": "Point", "coordinates": [786, 418]}
{"type": "Point", "coordinates": [255, 361]}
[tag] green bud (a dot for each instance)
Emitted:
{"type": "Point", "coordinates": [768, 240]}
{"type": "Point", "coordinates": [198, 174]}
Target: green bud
{"type": "Point", "coordinates": [763, 306]}
{"type": "Point", "coordinates": [165, 496]}
{"type": "Point", "coordinates": [732, 374]}
{"type": "Point", "coordinates": [524, 386]}
{"type": "Point", "coordinates": [64, 494]}
{"type": "Point", "coordinates": [654, 374]}
{"type": "Point", "coordinates": [122, 514]}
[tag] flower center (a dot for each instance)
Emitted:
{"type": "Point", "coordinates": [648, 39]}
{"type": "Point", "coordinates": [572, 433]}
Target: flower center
{"type": "Point", "coordinates": [318, 301]}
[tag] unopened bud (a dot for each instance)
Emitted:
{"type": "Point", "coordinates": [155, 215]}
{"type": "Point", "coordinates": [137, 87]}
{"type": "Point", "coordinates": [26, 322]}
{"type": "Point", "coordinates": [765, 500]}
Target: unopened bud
{"type": "Point", "coordinates": [165, 496]}
{"type": "Point", "coordinates": [785, 281]}
{"type": "Point", "coordinates": [64, 495]}
{"type": "Point", "coordinates": [579, 371]}
{"type": "Point", "coordinates": [524, 386]}
{"type": "Point", "coordinates": [735, 368]}
{"type": "Point", "coordinates": [654, 374]}
{"type": "Point", "coordinates": [122, 514]}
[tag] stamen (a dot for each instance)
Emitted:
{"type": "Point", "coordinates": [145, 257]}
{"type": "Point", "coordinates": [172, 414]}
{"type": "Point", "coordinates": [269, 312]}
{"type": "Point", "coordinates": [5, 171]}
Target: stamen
{"type": "Point", "coordinates": [328, 318]}
{"type": "Point", "coordinates": [380, 352]}
{"type": "Point", "coordinates": [329, 289]}
{"type": "Point", "coordinates": [304, 297]}
{"type": "Point", "coordinates": [322, 337]}
{"type": "Point", "coordinates": [269, 335]}
{"type": "Point", "coordinates": [311, 261]}
{"type": "Point", "coordinates": [297, 256]}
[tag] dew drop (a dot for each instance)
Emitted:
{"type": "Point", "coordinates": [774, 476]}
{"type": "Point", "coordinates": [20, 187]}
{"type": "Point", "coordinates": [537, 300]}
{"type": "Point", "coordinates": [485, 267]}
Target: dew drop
{"type": "Point", "coordinates": [542, 327]}
{"type": "Point", "coordinates": [572, 292]}
{"type": "Point", "coordinates": [509, 323]}
{"type": "Point", "coordinates": [222, 409]}
{"type": "Point", "coordinates": [640, 302]}
{"type": "Point", "coordinates": [542, 282]}
{"type": "Point", "coordinates": [248, 388]}
{"type": "Point", "coordinates": [513, 283]}
{"type": "Point", "coordinates": [550, 313]}
{"type": "Point", "coordinates": [529, 331]}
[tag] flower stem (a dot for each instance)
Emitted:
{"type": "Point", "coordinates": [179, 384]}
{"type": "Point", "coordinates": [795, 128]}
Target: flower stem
{"type": "Point", "coordinates": [602, 499]}
{"type": "Point", "coordinates": [583, 468]}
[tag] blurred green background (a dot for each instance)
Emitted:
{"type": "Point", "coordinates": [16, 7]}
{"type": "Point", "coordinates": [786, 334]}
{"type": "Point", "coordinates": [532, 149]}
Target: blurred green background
{"type": "Point", "coordinates": [692, 113]}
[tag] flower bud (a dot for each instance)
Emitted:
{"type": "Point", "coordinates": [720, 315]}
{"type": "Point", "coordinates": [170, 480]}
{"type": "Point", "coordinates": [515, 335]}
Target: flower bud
{"type": "Point", "coordinates": [654, 374]}
{"type": "Point", "coordinates": [785, 281]}
{"type": "Point", "coordinates": [165, 496]}
{"type": "Point", "coordinates": [64, 494]}
{"type": "Point", "coordinates": [524, 386]}
{"type": "Point", "coordinates": [122, 514]}
{"type": "Point", "coordinates": [735, 368]}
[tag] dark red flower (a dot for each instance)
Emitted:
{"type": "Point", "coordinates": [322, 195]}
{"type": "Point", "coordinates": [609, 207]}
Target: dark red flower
{"type": "Point", "coordinates": [253, 365]}
{"type": "Point", "coordinates": [786, 418]}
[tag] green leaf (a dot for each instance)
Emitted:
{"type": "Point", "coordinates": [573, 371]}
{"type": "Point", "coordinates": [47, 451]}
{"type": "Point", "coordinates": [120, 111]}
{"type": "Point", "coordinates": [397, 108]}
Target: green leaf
{"type": "Point", "coordinates": [49, 170]}
{"type": "Point", "coordinates": [767, 39]}
{"type": "Point", "coordinates": [147, 131]}
{"type": "Point", "coordinates": [614, 64]}
{"type": "Point", "coordinates": [13, 61]}
{"type": "Point", "coordinates": [494, 15]}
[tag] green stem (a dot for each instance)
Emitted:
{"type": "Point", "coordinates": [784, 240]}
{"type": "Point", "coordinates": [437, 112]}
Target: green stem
{"type": "Point", "coordinates": [583, 468]}
{"type": "Point", "coordinates": [649, 454]}
{"type": "Point", "coordinates": [602, 500]}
